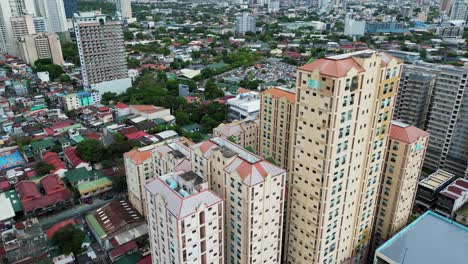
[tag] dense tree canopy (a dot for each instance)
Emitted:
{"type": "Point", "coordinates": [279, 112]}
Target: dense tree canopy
{"type": "Point", "coordinates": [69, 239]}
{"type": "Point", "coordinates": [90, 150]}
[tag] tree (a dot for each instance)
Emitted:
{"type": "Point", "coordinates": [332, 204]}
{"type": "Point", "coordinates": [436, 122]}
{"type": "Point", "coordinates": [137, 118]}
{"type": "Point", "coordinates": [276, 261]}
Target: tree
{"type": "Point", "coordinates": [119, 183]}
{"type": "Point", "coordinates": [56, 148]}
{"type": "Point", "coordinates": [108, 96]}
{"type": "Point", "coordinates": [90, 150]}
{"type": "Point", "coordinates": [212, 91]}
{"type": "Point", "coordinates": [182, 118]}
{"type": "Point", "coordinates": [69, 239]}
{"type": "Point", "coordinates": [119, 137]}
{"type": "Point", "coordinates": [128, 36]}
{"type": "Point", "coordinates": [54, 70]}
{"type": "Point", "coordinates": [43, 168]}
{"type": "Point", "coordinates": [133, 63]}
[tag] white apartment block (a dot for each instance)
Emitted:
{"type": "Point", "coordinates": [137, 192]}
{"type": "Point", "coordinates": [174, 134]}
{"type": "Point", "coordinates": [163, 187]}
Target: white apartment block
{"type": "Point", "coordinates": [253, 190]}
{"type": "Point", "coordinates": [185, 220]}
{"type": "Point", "coordinates": [102, 52]}
{"type": "Point", "coordinates": [22, 25]}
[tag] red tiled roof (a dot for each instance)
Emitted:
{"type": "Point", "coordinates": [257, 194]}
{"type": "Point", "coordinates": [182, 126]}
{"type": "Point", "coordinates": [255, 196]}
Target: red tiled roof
{"type": "Point", "coordinates": [406, 134]}
{"type": "Point", "coordinates": [31, 199]}
{"type": "Point", "coordinates": [53, 159]}
{"type": "Point", "coordinates": [121, 106]}
{"type": "Point", "coordinates": [333, 68]}
{"type": "Point", "coordinates": [92, 135]}
{"type": "Point", "coordinates": [128, 130]}
{"type": "Point", "coordinates": [70, 153]}
{"type": "Point", "coordinates": [4, 185]}
{"type": "Point", "coordinates": [103, 109]}
{"type": "Point", "coordinates": [145, 260]}
{"type": "Point", "coordinates": [279, 93]}
{"type": "Point", "coordinates": [123, 249]}
{"type": "Point", "coordinates": [136, 135]}
{"type": "Point", "coordinates": [51, 231]}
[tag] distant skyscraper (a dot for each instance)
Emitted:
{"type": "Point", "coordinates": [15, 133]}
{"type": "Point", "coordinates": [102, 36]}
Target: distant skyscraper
{"type": "Point", "coordinates": [403, 164]}
{"type": "Point", "coordinates": [445, 117]}
{"type": "Point", "coordinates": [71, 7]}
{"type": "Point", "coordinates": [445, 6]}
{"type": "Point", "coordinates": [414, 96]}
{"type": "Point", "coordinates": [54, 13]}
{"type": "Point", "coordinates": [22, 25]}
{"type": "Point", "coordinates": [124, 7]}
{"type": "Point", "coordinates": [459, 10]}
{"type": "Point", "coordinates": [344, 105]}
{"type": "Point", "coordinates": [40, 24]}
{"type": "Point", "coordinates": [103, 59]}
{"type": "Point", "coordinates": [40, 46]}
{"type": "Point", "coordinates": [245, 23]}
{"type": "Point", "coordinates": [9, 9]}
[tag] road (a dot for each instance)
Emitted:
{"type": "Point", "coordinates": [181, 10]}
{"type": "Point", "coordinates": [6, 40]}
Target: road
{"type": "Point", "coordinates": [74, 212]}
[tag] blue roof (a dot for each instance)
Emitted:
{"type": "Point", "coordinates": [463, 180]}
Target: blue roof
{"type": "Point", "coordinates": [430, 239]}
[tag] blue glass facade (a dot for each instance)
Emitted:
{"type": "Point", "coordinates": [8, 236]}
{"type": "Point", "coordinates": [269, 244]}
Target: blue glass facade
{"type": "Point", "coordinates": [71, 6]}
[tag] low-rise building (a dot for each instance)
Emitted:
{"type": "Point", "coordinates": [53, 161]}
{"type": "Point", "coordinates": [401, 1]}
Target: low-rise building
{"type": "Point", "coordinates": [430, 187]}
{"type": "Point", "coordinates": [73, 160]}
{"type": "Point", "coordinates": [452, 198]}
{"type": "Point", "coordinates": [25, 241]}
{"type": "Point", "coordinates": [245, 105]}
{"type": "Point", "coordinates": [430, 239]}
{"type": "Point", "coordinates": [55, 195]}
{"type": "Point", "coordinates": [115, 224]}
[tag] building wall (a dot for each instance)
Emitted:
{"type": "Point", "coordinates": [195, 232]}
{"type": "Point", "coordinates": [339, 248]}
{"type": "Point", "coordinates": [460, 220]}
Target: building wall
{"type": "Point", "coordinates": [400, 179]}
{"type": "Point", "coordinates": [276, 120]}
{"type": "Point", "coordinates": [137, 177]}
{"type": "Point", "coordinates": [340, 136]}
{"type": "Point", "coordinates": [197, 238]}
{"type": "Point", "coordinates": [103, 63]}
{"type": "Point", "coordinates": [244, 132]}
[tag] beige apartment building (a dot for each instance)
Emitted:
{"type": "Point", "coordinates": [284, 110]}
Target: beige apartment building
{"type": "Point", "coordinates": [403, 164]}
{"type": "Point", "coordinates": [243, 132]}
{"type": "Point", "coordinates": [144, 164]}
{"type": "Point", "coordinates": [253, 190]}
{"type": "Point", "coordinates": [344, 105]}
{"type": "Point", "coordinates": [22, 25]}
{"type": "Point", "coordinates": [185, 220]}
{"type": "Point", "coordinates": [276, 119]}
{"type": "Point", "coordinates": [40, 46]}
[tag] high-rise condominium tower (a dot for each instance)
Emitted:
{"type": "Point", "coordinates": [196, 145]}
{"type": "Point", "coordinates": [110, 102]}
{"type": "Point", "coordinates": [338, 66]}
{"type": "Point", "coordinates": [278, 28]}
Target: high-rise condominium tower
{"type": "Point", "coordinates": [276, 120]}
{"type": "Point", "coordinates": [459, 10]}
{"type": "Point", "coordinates": [253, 191]}
{"type": "Point", "coordinates": [102, 52]}
{"type": "Point", "coordinates": [344, 105]}
{"type": "Point", "coordinates": [434, 98]}
{"type": "Point", "coordinates": [40, 46]}
{"type": "Point", "coordinates": [8, 10]}
{"type": "Point", "coordinates": [185, 220]}
{"type": "Point", "coordinates": [54, 13]}
{"type": "Point", "coordinates": [245, 23]}
{"type": "Point", "coordinates": [403, 164]}
{"type": "Point", "coordinates": [124, 7]}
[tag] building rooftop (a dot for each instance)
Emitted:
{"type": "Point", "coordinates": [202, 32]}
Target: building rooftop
{"type": "Point", "coordinates": [457, 189]}
{"type": "Point", "coordinates": [278, 93]}
{"type": "Point", "coordinates": [113, 217]}
{"type": "Point", "coordinates": [406, 133]}
{"type": "Point", "coordinates": [437, 180]}
{"type": "Point", "coordinates": [182, 192]}
{"type": "Point", "coordinates": [430, 239]}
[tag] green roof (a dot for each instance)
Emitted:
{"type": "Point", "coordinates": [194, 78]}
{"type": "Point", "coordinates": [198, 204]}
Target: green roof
{"type": "Point", "coordinates": [64, 140]}
{"type": "Point", "coordinates": [96, 184]}
{"type": "Point", "coordinates": [76, 175]}
{"type": "Point", "coordinates": [217, 66]}
{"type": "Point", "coordinates": [129, 259]}
{"type": "Point", "coordinates": [95, 225]}
{"type": "Point", "coordinates": [87, 239]}
{"type": "Point", "coordinates": [14, 200]}
{"type": "Point", "coordinates": [463, 210]}
{"type": "Point", "coordinates": [65, 129]}
{"type": "Point", "coordinates": [78, 138]}
{"type": "Point", "coordinates": [42, 144]}
{"type": "Point", "coordinates": [190, 127]}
